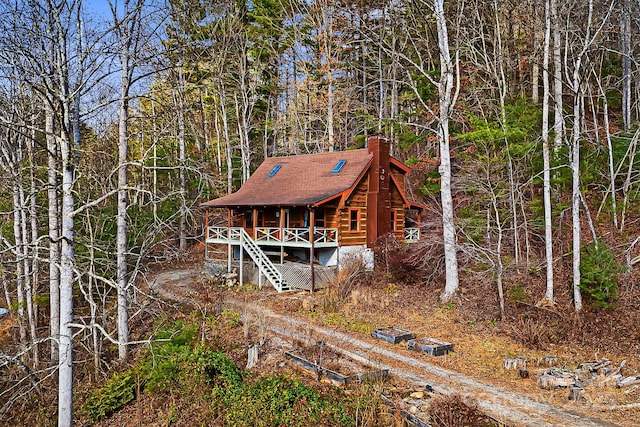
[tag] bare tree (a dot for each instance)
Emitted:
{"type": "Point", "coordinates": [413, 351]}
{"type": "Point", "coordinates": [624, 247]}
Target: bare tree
{"type": "Point", "coordinates": [446, 96]}
{"type": "Point", "coordinates": [127, 30]}
{"type": "Point", "coordinates": [577, 87]}
{"type": "Point", "coordinates": [548, 225]}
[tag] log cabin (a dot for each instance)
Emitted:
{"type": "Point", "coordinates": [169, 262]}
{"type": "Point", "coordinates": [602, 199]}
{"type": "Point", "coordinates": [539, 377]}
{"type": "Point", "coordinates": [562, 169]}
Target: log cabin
{"type": "Point", "coordinates": [316, 209]}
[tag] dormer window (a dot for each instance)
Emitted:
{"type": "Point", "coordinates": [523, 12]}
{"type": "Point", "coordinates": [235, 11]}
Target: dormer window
{"type": "Point", "coordinates": [274, 171]}
{"type": "Point", "coordinates": [338, 166]}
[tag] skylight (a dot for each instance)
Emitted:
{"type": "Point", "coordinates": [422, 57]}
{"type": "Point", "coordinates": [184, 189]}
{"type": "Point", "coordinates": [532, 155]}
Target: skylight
{"type": "Point", "coordinates": [274, 171]}
{"type": "Point", "coordinates": [338, 166]}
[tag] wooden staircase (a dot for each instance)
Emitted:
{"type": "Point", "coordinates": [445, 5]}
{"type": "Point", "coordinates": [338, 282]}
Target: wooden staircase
{"type": "Point", "coordinates": [262, 261]}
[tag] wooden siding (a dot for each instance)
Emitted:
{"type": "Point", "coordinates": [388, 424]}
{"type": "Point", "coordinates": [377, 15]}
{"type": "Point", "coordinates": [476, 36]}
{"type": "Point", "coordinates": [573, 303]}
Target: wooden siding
{"type": "Point", "coordinates": [357, 200]}
{"type": "Point", "coordinates": [331, 216]}
{"type": "Point", "coordinates": [399, 224]}
{"type": "Point", "coordinates": [399, 177]}
{"type": "Point", "coordinates": [396, 198]}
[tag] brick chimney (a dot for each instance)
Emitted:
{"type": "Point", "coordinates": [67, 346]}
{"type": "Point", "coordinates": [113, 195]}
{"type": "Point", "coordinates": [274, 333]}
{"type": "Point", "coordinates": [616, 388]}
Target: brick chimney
{"type": "Point", "coordinates": [379, 195]}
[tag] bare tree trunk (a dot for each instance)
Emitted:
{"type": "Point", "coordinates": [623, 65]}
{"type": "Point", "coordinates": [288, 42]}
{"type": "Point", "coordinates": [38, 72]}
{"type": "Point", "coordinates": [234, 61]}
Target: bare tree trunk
{"type": "Point", "coordinates": [244, 111]}
{"type": "Point", "coordinates": [33, 215]}
{"type": "Point", "coordinates": [65, 353]}
{"type": "Point", "coordinates": [578, 113]}
{"type": "Point", "coordinates": [227, 139]}
{"type": "Point", "coordinates": [19, 257]}
{"type": "Point", "coordinates": [183, 161]}
{"type": "Point", "coordinates": [558, 114]}
{"type": "Point", "coordinates": [548, 225]}
{"type": "Point", "coordinates": [575, 198]}
{"type": "Point", "coordinates": [535, 71]}
{"type": "Point", "coordinates": [612, 175]}
{"type": "Point", "coordinates": [89, 296]}
{"type": "Point", "coordinates": [27, 261]}
{"type": "Point", "coordinates": [499, 266]}
{"type": "Point", "coordinates": [67, 255]}
{"type": "Point", "coordinates": [445, 102]}
{"type": "Point", "coordinates": [502, 88]}
{"type": "Point", "coordinates": [154, 127]}
{"type": "Point", "coordinates": [54, 231]}
{"type": "Point", "coordinates": [625, 34]}
{"type": "Point", "coordinates": [121, 232]}
{"type": "Point", "coordinates": [127, 30]}
{"type": "Point", "coordinates": [631, 151]}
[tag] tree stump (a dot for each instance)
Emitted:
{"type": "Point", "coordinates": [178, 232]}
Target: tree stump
{"type": "Point", "coordinates": [515, 363]}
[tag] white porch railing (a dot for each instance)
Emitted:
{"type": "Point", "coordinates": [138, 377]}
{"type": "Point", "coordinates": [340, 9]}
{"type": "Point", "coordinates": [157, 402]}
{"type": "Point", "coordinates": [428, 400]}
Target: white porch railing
{"type": "Point", "coordinates": [327, 237]}
{"type": "Point", "coordinates": [411, 234]}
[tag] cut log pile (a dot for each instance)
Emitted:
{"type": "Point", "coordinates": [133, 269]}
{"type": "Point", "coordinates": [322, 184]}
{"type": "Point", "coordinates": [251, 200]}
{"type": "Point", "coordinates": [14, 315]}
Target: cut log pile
{"type": "Point", "coordinates": [597, 373]}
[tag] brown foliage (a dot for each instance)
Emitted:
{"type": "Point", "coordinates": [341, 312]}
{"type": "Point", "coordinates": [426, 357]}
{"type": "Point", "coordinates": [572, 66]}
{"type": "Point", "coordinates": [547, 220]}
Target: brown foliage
{"type": "Point", "coordinates": [455, 410]}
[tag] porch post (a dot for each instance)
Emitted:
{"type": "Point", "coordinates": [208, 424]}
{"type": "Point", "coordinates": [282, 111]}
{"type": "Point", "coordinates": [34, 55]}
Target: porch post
{"type": "Point", "coordinates": [281, 235]}
{"type": "Point", "coordinates": [254, 215]}
{"type": "Point", "coordinates": [206, 234]}
{"type": "Point", "coordinates": [312, 239]}
{"type": "Point", "coordinates": [229, 247]}
{"type": "Point", "coordinates": [241, 262]}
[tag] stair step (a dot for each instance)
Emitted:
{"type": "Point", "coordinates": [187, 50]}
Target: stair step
{"type": "Point", "coordinates": [263, 262]}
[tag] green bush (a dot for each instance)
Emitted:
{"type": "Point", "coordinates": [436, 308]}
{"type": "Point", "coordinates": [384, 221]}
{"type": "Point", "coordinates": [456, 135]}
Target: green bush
{"type": "Point", "coordinates": [158, 369]}
{"type": "Point", "coordinates": [279, 401]}
{"type": "Point", "coordinates": [518, 293]}
{"type": "Point", "coordinates": [599, 275]}
{"type": "Point", "coordinates": [119, 391]}
{"type": "Point", "coordinates": [203, 373]}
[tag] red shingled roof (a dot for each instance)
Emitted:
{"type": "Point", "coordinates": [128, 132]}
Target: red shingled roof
{"type": "Point", "coordinates": [301, 180]}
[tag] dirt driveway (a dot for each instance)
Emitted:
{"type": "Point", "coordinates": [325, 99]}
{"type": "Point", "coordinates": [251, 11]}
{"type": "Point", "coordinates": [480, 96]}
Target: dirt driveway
{"type": "Point", "coordinates": [506, 406]}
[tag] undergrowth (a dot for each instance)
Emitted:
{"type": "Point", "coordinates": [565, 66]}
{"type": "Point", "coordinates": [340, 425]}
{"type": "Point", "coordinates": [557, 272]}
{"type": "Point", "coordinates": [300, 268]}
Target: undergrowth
{"type": "Point", "coordinates": [178, 365]}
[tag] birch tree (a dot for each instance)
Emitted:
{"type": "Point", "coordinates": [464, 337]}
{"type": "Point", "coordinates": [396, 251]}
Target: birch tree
{"type": "Point", "coordinates": [548, 225]}
{"type": "Point", "coordinates": [446, 97]}
{"type": "Point", "coordinates": [577, 81]}
{"type": "Point", "coordinates": [127, 30]}
{"type": "Point", "coordinates": [625, 35]}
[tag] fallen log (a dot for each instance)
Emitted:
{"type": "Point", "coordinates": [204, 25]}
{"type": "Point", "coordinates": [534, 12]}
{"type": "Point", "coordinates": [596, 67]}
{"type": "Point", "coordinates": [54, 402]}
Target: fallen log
{"type": "Point", "coordinates": [556, 379]}
{"type": "Point", "coordinates": [627, 381]}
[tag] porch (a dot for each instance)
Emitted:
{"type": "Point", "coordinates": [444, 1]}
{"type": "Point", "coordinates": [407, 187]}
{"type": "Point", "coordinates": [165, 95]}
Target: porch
{"type": "Point", "coordinates": [274, 236]}
{"type": "Point", "coordinates": [287, 236]}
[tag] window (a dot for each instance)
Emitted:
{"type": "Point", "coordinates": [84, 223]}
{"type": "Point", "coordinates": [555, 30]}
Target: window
{"type": "Point", "coordinates": [338, 166]}
{"type": "Point", "coordinates": [392, 225]}
{"type": "Point", "coordinates": [319, 222]}
{"type": "Point", "coordinates": [274, 171]}
{"type": "Point", "coordinates": [248, 219]}
{"type": "Point", "coordinates": [354, 219]}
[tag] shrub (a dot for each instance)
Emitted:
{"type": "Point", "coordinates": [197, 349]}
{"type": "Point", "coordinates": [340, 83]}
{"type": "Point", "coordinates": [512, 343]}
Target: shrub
{"type": "Point", "coordinates": [119, 391]}
{"type": "Point", "coordinates": [279, 401]}
{"type": "Point", "coordinates": [532, 332]}
{"type": "Point", "coordinates": [455, 410]}
{"type": "Point", "coordinates": [518, 293]}
{"type": "Point", "coordinates": [599, 275]}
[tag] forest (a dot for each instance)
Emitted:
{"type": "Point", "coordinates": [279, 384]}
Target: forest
{"type": "Point", "coordinates": [519, 120]}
